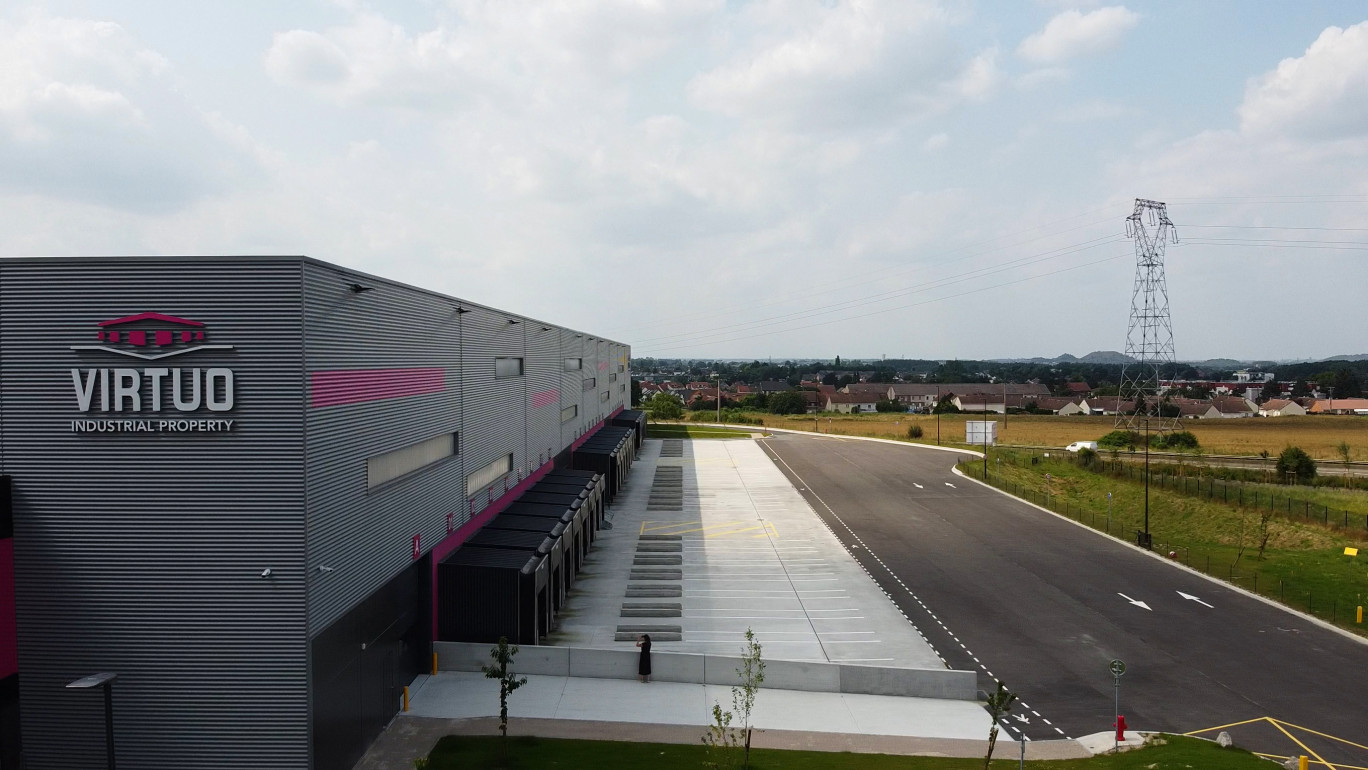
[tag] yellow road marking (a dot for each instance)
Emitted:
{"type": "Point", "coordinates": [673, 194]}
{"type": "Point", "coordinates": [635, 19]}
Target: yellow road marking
{"type": "Point", "coordinates": [1222, 727]}
{"type": "Point", "coordinates": [1307, 749]}
{"type": "Point", "coordinates": [1324, 735]}
{"type": "Point", "coordinates": [766, 527]}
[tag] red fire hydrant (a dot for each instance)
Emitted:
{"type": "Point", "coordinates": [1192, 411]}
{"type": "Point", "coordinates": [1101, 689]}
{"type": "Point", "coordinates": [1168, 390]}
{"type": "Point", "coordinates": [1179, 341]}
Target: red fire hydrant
{"type": "Point", "coordinates": [1120, 726]}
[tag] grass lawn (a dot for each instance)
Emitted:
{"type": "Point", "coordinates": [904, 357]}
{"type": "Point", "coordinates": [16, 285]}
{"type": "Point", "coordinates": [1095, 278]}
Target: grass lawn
{"type": "Point", "coordinates": [1317, 435]}
{"type": "Point", "coordinates": [1301, 558]}
{"type": "Point", "coordinates": [670, 430]}
{"type": "Point", "coordinates": [524, 753]}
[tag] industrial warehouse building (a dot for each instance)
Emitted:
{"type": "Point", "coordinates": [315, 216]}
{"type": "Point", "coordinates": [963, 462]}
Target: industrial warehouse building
{"type": "Point", "coordinates": [231, 481]}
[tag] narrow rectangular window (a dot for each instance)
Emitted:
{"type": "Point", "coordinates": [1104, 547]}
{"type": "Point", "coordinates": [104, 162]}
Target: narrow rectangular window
{"type": "Point", "coordinates": [574, 364]}
{"type": "Point", "coordinates": [489, 474]}
{"type": "Point", "coordinates": [612, 376]}
{"type": "Point", "coordinates": [590, 383]}
{"type": "Point", "coordinates": [507, 367]}
{"type": "Point", "coordinates": [392, 465]}
{"type": "Point", "coordinates": [621, 368]}
{"type": "Point", "coordinates": [603, 396]}
{"type": "Point", "coordinates": [569, 412]}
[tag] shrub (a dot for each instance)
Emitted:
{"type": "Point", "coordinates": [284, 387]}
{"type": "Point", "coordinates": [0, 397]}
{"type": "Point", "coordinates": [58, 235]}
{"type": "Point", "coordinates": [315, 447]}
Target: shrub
{"type": "Point", "coordinates": [1087, 457]}
{"type": "Point", "coordinates": [787, 402]}
{"type": "Point", "coordinates": [1294, 462]}
{"type": "Point", "coordinates": [914, 431]}
{"type": "Point", "coordinates": [886, 405]}
{"type": "Point", "coordinates": [1179, 440]}
{"type": "Point", "coordinates": [1121, 439]}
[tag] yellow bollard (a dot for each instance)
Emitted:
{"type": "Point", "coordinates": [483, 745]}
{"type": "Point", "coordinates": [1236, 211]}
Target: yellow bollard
{"type": "Point", "coordinates": [434, 664]}
{"type": "Point", "coordinates": [406, 699]}
{"type": "Point", "coordinates": [1360, 613]}
{"type": "Point", "coordinates": [1302, 763]}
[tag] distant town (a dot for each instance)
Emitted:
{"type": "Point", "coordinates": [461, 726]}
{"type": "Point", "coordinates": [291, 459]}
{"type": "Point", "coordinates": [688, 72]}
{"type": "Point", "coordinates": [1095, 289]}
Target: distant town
{"type": "Point", "coordinates": [1070, 387]}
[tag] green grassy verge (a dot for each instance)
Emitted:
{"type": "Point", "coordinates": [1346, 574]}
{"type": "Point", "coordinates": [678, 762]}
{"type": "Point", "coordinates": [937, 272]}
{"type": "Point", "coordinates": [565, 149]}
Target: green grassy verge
{"type": "Point", "coordinates": [524, 753]}
{"type": "Point", "coordinates": [670, 430]}
{"type": "Point", "coordinates": [1303, 566]}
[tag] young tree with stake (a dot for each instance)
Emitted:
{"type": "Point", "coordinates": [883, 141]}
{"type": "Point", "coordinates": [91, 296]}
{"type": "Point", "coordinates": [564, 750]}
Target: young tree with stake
{"type": "Point", "coordinates": [502, 655]}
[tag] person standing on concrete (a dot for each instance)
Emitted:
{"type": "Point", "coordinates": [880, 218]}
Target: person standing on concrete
{"type": "Point", "coordinates": [644, 665]}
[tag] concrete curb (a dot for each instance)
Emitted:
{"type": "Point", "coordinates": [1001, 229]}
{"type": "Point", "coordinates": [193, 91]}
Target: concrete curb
{"type": "Point", "coordinates": [1176, 565]}
{"type": "Point", "coordinates": [693, 668]}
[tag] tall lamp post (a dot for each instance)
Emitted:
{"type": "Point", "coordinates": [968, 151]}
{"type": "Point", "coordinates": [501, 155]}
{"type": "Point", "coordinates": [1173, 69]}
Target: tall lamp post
{"type": "Point", "coordinates": [1145, 537]}
{"type": "Point", "coordinates": [103, 681]}
{"type": "Point", "coordinates": [719, 399]}
{"type": "Point", "coordinates": [936, 409]}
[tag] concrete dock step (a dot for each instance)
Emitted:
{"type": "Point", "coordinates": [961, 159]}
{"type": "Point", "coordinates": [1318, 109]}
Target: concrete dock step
{"type": "Point", "coordinates": [661, 591]}
{"type": "Point", "coordinates": [653, 547]}
{"type": "Point", "coordinates": [629, 633]}
{"type": "Point", "coordinates": [661, 573]}
{"type": "Point", "coordinates": [662, 538]}
{"type": "Point", "coordinates": [652, 610]}
{"type": "Point", "coordinates": [657, 559]}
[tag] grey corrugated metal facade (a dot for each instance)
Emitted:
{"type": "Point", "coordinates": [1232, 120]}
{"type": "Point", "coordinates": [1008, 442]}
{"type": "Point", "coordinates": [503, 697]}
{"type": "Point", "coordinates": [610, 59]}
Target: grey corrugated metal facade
{"type": "Point", "coordinates": [141, 551]}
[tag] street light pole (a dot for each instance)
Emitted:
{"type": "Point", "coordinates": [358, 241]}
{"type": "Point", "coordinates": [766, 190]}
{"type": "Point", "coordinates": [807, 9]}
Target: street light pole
{"type": "Point", "coordinates": [1146, 544]}
{"type": "Point", "coordinates": [936, 409]}
{"type": "Point", "coordinates": [719, 399]}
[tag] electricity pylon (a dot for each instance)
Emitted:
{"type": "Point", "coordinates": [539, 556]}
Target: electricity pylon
{"type": "Point", "coordinates": [1149, 339]}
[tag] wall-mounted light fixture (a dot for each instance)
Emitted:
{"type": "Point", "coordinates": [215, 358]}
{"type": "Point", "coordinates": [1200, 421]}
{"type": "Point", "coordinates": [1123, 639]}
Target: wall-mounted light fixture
{"type": "Point", "coordinates": [357, 288]}
{"type": "Point", "coordinates": [266, 572]}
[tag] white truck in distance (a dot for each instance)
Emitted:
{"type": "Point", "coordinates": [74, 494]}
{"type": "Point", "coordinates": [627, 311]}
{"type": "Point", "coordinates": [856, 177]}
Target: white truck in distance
{"type": "Point", "coordinates": [1080, 445]}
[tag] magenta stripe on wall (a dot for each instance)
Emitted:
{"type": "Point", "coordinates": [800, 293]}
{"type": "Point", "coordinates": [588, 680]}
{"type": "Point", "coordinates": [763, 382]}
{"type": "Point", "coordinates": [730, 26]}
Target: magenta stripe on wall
{"type": "Point", "coordinates": [353, 386]}
{"type": "Point", "coordinates": [9, 657]}
{"type": "Point", "coordinates": [545, 398]}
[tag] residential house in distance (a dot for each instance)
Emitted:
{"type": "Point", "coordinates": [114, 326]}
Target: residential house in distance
{"type": "Point", "coordinates": [814, 401]}
{"type": "Point", "coordinates": [849, 403]}
{"type": "Point", "coordinates": [1078, 389]}
{"type": "Point", "coordinates": [1340, 406]}
{"type": "Point", "coordinates": [1062, 405]}
{"type": "Point", "coordinates": [772, 386]}
{"type": "Point", "coordinates": [921, 397]}
{"type": "Point", "coordinates": [1281, 407]}
{"type": "Point", "coordinates": [1234, 406]}
{"type": "Point", "coordinates": [878, 390]}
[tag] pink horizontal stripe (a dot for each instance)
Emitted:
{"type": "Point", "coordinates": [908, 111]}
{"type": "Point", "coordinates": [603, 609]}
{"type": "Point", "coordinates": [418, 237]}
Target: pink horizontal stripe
{"type": "Point", "coordinates": [353, 386]}
{"type": "Point", "coordinates": [545, 398]}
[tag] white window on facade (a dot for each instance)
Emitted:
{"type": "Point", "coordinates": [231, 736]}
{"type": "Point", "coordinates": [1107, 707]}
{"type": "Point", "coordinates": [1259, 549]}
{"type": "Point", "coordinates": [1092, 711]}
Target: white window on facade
{"type": "Point", "coordinates": [507, 367]}
{"type": "Point", "coordinates": [590, 383]}
{"type": "Point", "coordinates": [574, 364]}
{"type": "Point", "coordinates": [570, 412]}
{"type": "Point", "coordinates": [489, 474]}
{"type": "Point", "coordinates": [603, 396]}
{"type": "Point", "coordinates": [391, 465]}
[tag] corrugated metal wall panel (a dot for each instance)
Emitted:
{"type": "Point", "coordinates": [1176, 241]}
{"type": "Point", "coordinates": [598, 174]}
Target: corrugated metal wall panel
{"type": "Point", "coordinates": [571, 346]}
{"type": "Point", "coordinates": [544, 367]}
{"type": "Point", "coordinates": [141, 553]}
{"type": "Point", "coordinates": [366, 535]}
{"type": "Point", "coordinates": [495, 410]}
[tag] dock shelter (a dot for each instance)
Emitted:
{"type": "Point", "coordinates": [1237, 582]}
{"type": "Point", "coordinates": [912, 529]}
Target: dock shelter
{"type": "Point", "coordinates": [575, 522]}
{"type": "Point", "coordinates": [486, 593]}
{"type": "Point", "coordinates": [562, 553]}
{"type": "Point", "coordinates": [609, 451]}
{"type": "Point", "coordinates": [534, 542]}
{"type": "Point", "coordinates": [634, 419]}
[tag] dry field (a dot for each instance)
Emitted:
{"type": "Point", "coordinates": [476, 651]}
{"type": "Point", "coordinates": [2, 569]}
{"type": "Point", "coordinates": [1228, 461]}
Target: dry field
{"type": "Point", "coordinates": [1318, 436]}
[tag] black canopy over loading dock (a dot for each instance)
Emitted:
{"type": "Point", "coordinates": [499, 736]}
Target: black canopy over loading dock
{"type": "Point", "coordinates": [486, 593]}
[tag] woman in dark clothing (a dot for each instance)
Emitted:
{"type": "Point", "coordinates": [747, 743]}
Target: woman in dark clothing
{"type": "Point", "coordinates": [644, 666]}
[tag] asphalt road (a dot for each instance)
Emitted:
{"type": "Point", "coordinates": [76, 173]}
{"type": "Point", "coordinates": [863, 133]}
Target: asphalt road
{"type": "Point", "coordinates": [1043, 604]}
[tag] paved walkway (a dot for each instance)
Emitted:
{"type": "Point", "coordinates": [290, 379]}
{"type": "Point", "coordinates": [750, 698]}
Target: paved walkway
{"type": "Point", "coordinates": [667, 712]}
{"type": "Point", "coordinates": [739, 547]}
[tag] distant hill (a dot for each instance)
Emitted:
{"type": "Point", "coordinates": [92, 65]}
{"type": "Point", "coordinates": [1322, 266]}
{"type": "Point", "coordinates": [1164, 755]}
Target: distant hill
{"type": "Point", "coordinates": [1358, 357]}
{"type": "Point", "coordinates": [1105, 357]}
{"type": "Point", "coordinates": [1219, 363]}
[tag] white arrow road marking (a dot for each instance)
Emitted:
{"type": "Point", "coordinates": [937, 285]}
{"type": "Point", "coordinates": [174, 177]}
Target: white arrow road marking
{"type": "Point", "coordinates": [1022, 719]}
{"type": "Point", "coordinates": [918, 486]}
{"type": "Point", "coordinates": [952, 486]}
{"type": "Point", "coordinates": [1190, 597]}
{"type": "Point", "coordinates": [1132, 601]}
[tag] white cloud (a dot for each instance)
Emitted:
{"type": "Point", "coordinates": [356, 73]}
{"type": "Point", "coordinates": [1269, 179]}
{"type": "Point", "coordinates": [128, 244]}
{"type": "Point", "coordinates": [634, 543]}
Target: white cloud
{"type": "Point", "coordinates": [831, 67]}
{"type": "Point", "coordinates": [936, 142]}
{"type": "Point", "coordinates": [1072, 33]}
{"type": "Point", "coordinates": [88, 113]}
{"type": "Point", "coordinates": [1321, 95]}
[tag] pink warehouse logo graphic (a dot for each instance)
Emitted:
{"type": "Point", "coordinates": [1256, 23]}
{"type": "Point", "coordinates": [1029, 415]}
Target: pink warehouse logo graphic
{"type": "Point", "coordinates": [164, 335]}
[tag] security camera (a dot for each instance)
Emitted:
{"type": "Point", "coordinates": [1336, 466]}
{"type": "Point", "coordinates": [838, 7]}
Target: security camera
{"type": "Point", "coordinates": [324, 568]}
{"type": "Point", "coordinates": [266, 572]}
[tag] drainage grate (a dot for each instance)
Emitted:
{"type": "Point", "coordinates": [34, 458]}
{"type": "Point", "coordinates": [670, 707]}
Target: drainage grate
{"type": "Point", "coordinates": [672, 447]}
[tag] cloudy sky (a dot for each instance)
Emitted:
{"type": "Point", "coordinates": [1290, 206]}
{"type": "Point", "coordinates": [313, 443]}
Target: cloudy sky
{"type": "Point", "coordinates": [705, 178]}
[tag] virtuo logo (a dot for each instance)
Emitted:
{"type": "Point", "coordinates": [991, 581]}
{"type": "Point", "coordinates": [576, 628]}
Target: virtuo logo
{"type": "Point", "coordinates": [151, 336]}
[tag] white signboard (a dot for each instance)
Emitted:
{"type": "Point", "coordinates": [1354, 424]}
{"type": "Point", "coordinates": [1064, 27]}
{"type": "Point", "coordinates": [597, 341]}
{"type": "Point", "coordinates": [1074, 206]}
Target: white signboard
{"type": "Point", "coordinates": [980, 432]}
